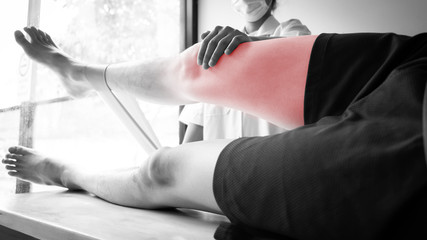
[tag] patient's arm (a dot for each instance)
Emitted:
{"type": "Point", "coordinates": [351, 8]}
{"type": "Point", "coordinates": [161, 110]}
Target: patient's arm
{"type": "Point", "coordinates": [264, 78]}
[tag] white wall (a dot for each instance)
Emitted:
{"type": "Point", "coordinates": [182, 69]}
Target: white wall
{"type": "Point", "coordinates": [400, 16]}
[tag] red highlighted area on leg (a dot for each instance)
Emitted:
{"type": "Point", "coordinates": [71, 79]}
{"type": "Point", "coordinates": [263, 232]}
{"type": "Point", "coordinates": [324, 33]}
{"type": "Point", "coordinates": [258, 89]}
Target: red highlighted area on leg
{"type": "Point", "coordinates": [264, 78]}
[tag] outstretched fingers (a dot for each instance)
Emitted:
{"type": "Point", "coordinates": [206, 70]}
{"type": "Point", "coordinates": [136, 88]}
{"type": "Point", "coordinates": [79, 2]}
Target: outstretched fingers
{"type": "Point", "coordinates": [235, 42]}
{"type": "Point", "coordinates": [215, 49]}
{"type": "Point", "coordinates": [204, 46]}
{"type": "Point", "coordinates": [217, 42]}
{"type": "Point", "coordinates": [205, 34]}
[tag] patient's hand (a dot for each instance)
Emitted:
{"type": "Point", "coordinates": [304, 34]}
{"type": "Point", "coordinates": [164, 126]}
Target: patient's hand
{"type": "Point", "coordinates": [217, 42]}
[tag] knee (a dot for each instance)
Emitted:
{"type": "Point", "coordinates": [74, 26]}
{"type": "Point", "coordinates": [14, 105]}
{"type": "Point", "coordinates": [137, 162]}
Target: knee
{"type": "Point", "coordinates": [161, 168]}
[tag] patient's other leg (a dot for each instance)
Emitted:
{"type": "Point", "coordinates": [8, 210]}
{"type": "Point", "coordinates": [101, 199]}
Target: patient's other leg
{"type": "Point", "coordinates": [171, 177]}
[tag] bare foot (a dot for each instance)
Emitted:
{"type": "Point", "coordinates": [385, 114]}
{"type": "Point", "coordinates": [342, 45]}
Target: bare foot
{"type": "Point", "coordinates": [43, 50]}
{"type": "Point", "coordinates": [29, 165]}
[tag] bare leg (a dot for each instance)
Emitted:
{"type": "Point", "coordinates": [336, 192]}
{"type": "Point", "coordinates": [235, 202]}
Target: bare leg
{"type": "Point", "coordinates": [171, 177]}
{"type": "Point", "coordinates": [256, 78]}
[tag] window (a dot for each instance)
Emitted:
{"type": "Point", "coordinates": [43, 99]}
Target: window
{"type": "Point", "coordinates": [36, 111]}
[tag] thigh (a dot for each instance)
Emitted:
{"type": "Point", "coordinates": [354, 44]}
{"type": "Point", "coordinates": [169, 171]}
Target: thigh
{"type": "Point", "coordinates": [255, 78]}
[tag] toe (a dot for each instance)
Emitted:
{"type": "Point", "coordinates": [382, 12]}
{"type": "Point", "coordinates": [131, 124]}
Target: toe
{"type": "Point", "coordinates": [32, 33]}
{"type": "Point", "coordinates": [41, 36]}
{"type": "Point", "coordinates": [49, 40]}
{"type": "Point", "coordinates": [34, 30]}
{"type": "Point", "coordinates": [20, 39]}
{"type": "Point", "coordinates": [37, 32]}
{"type": "Point", "coordinates": [13, 156]}
{"type": "Point", "coordinates": [8, 161]}
{"type": "Point", "coordinates": [13, 173]}
{"type": "Point", "coordinates": [19, 150]}
{"type": "Point", "coordinates": [10, 167]}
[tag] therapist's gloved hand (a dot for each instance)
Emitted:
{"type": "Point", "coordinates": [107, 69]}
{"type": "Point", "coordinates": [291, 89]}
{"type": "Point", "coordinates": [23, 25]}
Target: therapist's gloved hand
{"type": "Point", "coordinates": [217, 42]}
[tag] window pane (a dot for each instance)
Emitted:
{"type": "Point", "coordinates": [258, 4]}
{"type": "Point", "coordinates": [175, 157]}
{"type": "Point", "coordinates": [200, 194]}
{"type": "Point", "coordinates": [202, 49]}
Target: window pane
{"type": "Point", "coordinates": [12, 61]}
{"type": "Point", "coordinates": [85, 132]}
{"type": "Point", "coordinates": [101, 31]}
{"type": "Point", "coordinates": [110, 31]}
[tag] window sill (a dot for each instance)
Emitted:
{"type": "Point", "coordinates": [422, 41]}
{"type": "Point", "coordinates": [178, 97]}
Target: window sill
{"type": "Point", "coordinates": [78, 215]}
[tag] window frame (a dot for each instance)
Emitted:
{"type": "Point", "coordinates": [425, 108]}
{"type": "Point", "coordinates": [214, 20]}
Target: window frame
{"type": "Point", "coordinates": [189, 24]}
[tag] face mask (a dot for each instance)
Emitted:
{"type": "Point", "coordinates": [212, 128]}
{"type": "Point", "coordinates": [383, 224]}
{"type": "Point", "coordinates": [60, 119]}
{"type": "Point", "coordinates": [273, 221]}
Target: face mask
{"type": "Point", "coordinates": [251, 10]}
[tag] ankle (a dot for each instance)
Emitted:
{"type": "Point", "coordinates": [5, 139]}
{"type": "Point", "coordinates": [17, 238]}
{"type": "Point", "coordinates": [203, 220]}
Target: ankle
{"type": "Point", "coordinates": [95, 76]}
{"type": "Point", "coordinates": [76, 71]}
{"type": "Point", "coordinates": [66, 180]}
